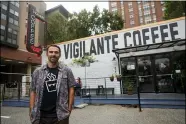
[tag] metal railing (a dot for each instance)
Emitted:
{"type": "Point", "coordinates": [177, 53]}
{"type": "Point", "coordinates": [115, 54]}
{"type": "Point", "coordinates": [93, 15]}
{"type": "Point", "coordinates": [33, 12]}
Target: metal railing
{"type": "Point", "coordinates": [16, 86]}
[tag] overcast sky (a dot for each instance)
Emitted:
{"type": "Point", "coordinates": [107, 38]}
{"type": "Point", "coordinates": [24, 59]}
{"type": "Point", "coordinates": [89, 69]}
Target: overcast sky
{"type": "Point", "coordinates": [78, 6]}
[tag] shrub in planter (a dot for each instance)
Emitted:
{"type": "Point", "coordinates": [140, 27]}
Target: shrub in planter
{"type": "Point", "coordinates": [112, 78]}
{"type": "Point", "coordinates": [118, 77]}
{"type": "Point", "coordinates": [128, 85]}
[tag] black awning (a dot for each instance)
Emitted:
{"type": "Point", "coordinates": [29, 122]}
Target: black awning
{"type": "Point", "coordinates": [179, 42]}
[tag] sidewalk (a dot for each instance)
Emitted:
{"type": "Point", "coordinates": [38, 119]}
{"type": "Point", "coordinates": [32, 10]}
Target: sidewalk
{"type": "Point", "coordinates": [105, 114]}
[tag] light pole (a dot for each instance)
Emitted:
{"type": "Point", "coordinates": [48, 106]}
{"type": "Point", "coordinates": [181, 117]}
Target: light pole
{"type": "Point", "coordinates": [86, 64]}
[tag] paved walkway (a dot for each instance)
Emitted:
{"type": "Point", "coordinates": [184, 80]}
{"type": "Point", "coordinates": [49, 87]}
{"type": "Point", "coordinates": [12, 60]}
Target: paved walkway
{"type": "Point", "coordinates": [104, 114]}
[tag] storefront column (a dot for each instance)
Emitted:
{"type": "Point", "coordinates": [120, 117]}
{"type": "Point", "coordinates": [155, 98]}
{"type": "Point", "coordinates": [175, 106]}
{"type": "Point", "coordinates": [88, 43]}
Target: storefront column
{"type": "Point", "coordinates": [10, 75]}
{"type": "Point", "coordinates": [27, 83]}
{"type": "Point", "coordinates": [29, 68]}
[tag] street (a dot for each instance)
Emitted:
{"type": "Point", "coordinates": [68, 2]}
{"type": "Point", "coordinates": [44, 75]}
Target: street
{"type": "Point", "coordinates": [103, 114]}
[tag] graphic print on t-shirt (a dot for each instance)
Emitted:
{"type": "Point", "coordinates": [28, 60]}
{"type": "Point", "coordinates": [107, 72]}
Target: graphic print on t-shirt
{"type": "Point", "coordinates": [51, 82]}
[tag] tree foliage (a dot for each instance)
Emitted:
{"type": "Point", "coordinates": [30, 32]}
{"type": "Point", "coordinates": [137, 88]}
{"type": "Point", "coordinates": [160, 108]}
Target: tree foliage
{"type": "Point", "coordinates": [174, 9]}
{"type": "Point", "coordinates": [82, 24]}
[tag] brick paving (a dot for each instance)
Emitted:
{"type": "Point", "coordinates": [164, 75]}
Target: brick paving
{"type": "Point", "coordinates": [105, 114]}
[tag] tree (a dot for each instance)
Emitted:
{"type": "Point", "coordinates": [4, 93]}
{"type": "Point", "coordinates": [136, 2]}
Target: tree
{"type": "Point", "coordinates": [79, 25]}
{"type": "Point", "coordinates": [57, 28]}
{"type": "Point", "coordinates": [174, 9]}
{"type": "Point", "coordinates": [82, 24]}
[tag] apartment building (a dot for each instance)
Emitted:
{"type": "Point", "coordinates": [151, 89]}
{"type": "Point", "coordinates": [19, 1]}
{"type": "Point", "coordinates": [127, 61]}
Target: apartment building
{"type": "Point", "coordinates": [14, 56]}
{"type": "Point", "coordinates": [136, 13]}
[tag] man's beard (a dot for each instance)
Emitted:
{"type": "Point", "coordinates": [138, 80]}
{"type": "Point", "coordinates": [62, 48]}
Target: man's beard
{"type": "Point", "coordinates": [53, 59]}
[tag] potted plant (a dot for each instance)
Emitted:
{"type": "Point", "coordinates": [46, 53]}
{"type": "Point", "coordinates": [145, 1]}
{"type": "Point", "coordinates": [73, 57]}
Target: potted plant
{"type": "Point", "coordinates": [118, 77]}
{"type": "Point", "coordinates": [128, 86]}
{"type": "Point", "coordinates": [112, 78]}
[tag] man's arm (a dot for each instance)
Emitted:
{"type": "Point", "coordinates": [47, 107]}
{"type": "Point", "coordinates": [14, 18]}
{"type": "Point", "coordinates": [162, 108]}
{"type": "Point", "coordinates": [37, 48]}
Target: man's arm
{"type": "Point", "coordinates": [71, 84]}
{"type": "Point", "coordinates": [32, 91]}
{"type": "Point", "coordinates": [71, 98]}
{"type": "Point", "coordinates": [32, 99]}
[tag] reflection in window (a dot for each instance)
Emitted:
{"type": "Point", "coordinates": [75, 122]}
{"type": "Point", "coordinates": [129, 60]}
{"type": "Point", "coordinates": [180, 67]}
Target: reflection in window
{"type": "Point", "coordinates": [162, 63]}
{"type": "Point", "coordinates": [128, 66]}
{"type": "Point", "coordinates": [144, 65]}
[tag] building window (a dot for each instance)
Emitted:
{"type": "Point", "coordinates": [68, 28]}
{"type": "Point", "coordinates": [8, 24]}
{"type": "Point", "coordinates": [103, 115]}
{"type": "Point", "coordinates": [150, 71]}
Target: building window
{"type": "Point", "coordinates": [141, 20]}
{"type": "Point", "coordinates": [2, 27]}
{"type": "Point", "coordinates": [114, 9]}
{"type": "Point", "coordinates": [153, 10]}
{"type": "Point", "coordinates": [11, 20]}
{"type": "Point", "coordinates": [9, 40]}
{"type": "Point", "coordinates": [16, 22]}
{"type": "Point", "coordinates": [11, 11]}
{"type": "Point", "coordinates": [12, 2]}
{"type": "Point", "coordinates": [17, 4]}
{"type": "Point", "coordinates": [2, 38]}
{"type": "Point", "coordinates": [14, 41]}
{"type": "Point", "coordinates": [3, 16]}
{"type": "Point", "coordinates": [15, 32]}
{"type": "Point", "coordinates": [16, 13]}
{"type": "Point", "coordinates": [113, 4]}
{"type": "Point", "coordinates": [131, 9]}
{"type": "Point", "coordinates": [130, 4]}
{"type": "Point", "coordinates": [146, 12]}
{"type": "Point", "coordinates": [4, 6]}
{"type": "Point", "coordinates": [163, 9]}
{"type": "Point", "coordinates": [154, 17]}
{"type": "Point", "coordinates": [131, 22]}
{"type": "Point", "coordinates": [139, 5]}
{"type": "Point", "coordinates": [131, 16]}
{"type": "Point", "coordinates": [140, 12]}
{"type": "Point", "coordinates": [10, 30]}
{"type": "Point", "coordinates": [152, 4]}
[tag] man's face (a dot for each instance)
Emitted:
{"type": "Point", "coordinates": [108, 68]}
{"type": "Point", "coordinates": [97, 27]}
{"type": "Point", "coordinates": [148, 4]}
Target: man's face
{"type": "Point", "coordinates": [53, 54]}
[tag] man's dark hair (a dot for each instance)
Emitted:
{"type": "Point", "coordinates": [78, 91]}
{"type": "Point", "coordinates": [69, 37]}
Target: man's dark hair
{"type": "Point", "coordinates": [54, 46]}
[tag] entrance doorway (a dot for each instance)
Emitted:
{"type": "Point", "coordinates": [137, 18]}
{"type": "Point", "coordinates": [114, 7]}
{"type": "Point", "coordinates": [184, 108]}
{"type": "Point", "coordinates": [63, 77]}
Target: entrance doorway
{"type": "Point", "coordinates": [160, 73]}
{"type": "Point", "coordinates": [145, 74]}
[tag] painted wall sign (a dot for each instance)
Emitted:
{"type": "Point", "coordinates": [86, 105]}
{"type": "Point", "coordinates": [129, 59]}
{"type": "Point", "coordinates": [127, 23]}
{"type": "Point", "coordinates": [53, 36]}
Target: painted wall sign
{"type": "Point", "coordinates": [32, 15]}
{"type": "Point", "coordinates": [141, 36]}
{"type": "Point", "coordinates": [101, 46]}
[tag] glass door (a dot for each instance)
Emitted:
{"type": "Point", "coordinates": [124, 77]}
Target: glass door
{"type": "Point", "coordinates": [179, 71]}
{"type": "Point", "coordinates": [164, 76]}
{"type": "Point", "coordinates": [128, 71]}
{"type": "Point", "coordinates": [145, 74]}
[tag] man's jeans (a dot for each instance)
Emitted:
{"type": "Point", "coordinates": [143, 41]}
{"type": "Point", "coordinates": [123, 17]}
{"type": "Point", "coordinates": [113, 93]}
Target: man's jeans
{"type": "Point", "coordinates": [51, 121]}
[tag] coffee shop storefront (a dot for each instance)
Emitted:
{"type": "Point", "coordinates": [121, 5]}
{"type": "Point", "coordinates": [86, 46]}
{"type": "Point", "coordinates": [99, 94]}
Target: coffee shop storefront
{"type": "Point", "coordinates": [158, 68]}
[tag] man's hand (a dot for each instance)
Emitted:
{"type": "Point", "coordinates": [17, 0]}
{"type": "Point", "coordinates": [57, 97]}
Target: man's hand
{"type": "Point", "coordinates": [71, 98]}
{"type": "Point", "coordinates": [70, 109]}
{"type": "Point", "coordinates": [32, 99]}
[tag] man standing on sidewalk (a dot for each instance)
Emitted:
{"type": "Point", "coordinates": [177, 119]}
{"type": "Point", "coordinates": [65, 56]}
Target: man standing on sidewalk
{"type": "Point", "coordinates": [52, 91]}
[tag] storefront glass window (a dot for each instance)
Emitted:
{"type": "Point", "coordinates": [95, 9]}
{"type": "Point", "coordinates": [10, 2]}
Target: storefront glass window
{"type": "Point", "coordinates": [163, 73]}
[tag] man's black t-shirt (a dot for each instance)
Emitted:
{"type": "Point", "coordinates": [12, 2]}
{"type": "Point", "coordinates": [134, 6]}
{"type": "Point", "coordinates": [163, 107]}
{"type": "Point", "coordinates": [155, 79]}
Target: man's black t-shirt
{"type": "Point", "coordinates": [48, 105]}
